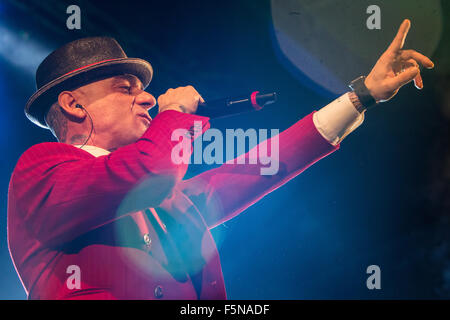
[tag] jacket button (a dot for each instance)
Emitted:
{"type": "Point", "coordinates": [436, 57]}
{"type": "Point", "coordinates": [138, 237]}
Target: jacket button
{"type": "Point", "coordinates": [158, 292]}
{"type": "Point", "coordinates": [147, 240]}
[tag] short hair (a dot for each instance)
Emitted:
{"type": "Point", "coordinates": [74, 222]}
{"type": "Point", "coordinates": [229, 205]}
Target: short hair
{"type": "Point", "coordinates": [57, 122]}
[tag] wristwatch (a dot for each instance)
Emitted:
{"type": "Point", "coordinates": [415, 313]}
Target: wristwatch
{"type": "Point", "coordinates": [361, 91]}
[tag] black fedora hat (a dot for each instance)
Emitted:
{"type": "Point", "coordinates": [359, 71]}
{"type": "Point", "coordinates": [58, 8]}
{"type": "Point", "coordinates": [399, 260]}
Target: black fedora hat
{"type": "Point", "coordinates": [78, 63]}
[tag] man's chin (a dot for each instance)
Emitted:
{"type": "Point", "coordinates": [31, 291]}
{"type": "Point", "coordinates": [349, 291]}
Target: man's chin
{"type": "Point", "coordinates": [131, 138]}
{"type": "Point", "coordinates": [141, 131]}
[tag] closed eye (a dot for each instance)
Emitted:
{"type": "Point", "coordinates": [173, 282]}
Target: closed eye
{"type": "Point", "coordinates": [128, 88]}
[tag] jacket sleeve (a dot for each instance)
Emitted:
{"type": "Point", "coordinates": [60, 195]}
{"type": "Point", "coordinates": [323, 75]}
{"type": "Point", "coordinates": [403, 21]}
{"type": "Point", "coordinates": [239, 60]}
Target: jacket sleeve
{"type": "Point", "coordinates": [224, 192]}
{"type": "Point", "coordinates": [62, 191]}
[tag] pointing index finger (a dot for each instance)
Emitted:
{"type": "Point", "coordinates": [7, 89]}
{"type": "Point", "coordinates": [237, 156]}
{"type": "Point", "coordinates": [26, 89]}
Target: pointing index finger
{"type": "Point", "coordinates": [399, 39]}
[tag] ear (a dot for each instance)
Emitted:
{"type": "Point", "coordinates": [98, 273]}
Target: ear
{"type": "Point", "coordinates": [68, 102]}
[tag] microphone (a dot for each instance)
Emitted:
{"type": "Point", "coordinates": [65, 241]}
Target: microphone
{"type": "Point", "coordinates": [230, 106]}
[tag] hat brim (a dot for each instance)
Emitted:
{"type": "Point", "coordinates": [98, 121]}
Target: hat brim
{"type": "Point", "coordinates": [40, 102]}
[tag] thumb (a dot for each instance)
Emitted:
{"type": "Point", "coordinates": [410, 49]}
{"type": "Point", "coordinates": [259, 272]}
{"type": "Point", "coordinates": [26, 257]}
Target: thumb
{"type": "Point", "coordinates": [200, 99]}
{"type": "Point", "coordinates": [404, 77]}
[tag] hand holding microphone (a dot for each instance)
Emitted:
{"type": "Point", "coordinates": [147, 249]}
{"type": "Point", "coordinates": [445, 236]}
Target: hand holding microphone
{"type": "Point", "coordinates": [183, 99]}
{"type": "Point", "coordinates": [188, 100]}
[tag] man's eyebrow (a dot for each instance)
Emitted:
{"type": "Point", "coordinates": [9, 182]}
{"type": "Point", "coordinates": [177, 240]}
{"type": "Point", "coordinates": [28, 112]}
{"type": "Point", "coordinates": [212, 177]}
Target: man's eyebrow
{"type": "Point", "coordinates": [133, 81]}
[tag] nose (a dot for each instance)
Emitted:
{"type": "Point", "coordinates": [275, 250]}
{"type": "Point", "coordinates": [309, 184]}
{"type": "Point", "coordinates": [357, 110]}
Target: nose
{"type": "Point", "coordinates": [145, 100]}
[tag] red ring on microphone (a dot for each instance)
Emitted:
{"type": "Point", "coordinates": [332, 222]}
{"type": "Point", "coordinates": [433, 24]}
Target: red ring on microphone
{"type": "Point", "coordinates": [255, 104]}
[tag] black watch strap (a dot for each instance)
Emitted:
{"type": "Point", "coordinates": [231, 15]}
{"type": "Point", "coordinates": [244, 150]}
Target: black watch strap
{"type": "Point", "coordinates": [361, 91]}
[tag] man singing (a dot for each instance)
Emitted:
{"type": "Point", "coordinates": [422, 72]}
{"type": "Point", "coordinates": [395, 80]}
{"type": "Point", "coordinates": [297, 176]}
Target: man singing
{"type": "Point", "coordinates": [105, 213]}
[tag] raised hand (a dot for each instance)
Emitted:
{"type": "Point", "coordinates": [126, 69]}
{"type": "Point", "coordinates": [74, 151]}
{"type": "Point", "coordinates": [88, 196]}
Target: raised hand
{"type": "Point", "coordinates": [396, 67]}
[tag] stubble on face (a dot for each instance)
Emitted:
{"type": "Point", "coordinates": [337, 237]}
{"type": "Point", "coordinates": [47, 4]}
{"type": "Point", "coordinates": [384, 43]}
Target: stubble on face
{"type": "Point", "coordinates": [117, 118]}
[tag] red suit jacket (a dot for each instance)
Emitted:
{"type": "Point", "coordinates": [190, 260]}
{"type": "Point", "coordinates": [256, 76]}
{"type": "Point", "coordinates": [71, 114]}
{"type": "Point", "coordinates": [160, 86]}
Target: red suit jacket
{"type": "Point", "coordinates": [128, 221]}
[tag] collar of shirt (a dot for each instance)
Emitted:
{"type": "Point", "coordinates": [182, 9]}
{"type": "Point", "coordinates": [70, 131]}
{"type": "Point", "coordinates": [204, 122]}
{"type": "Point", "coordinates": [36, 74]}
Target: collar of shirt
{"type": "Point", "coordinates": [95, 151]}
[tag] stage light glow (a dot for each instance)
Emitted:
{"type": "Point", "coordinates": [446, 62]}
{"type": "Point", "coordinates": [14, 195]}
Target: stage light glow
{"type": "Point", "coordinates": [326, 45]}
{"type": "Point", "coordinates": [17, 48]}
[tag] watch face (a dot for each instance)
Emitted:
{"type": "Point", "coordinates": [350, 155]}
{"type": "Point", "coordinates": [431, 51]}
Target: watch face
{"type": "Point", "coordinates": [352, 84]}
{"type": "Point", "coordinates": [357, 81]}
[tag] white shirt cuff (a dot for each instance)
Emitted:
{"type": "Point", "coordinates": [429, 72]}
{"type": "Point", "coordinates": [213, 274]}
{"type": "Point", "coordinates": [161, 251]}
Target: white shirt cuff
{"type": "Point", "coordinates": [337, 119]}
